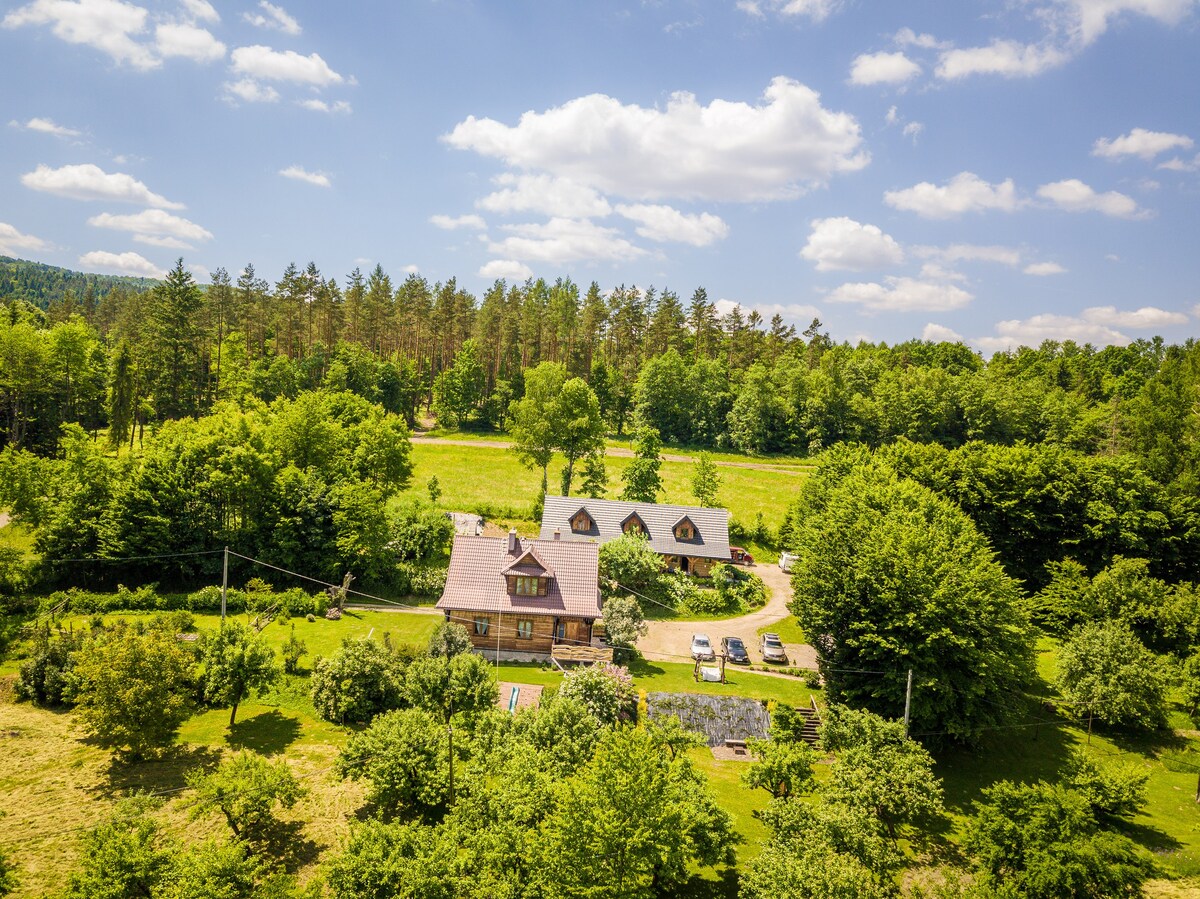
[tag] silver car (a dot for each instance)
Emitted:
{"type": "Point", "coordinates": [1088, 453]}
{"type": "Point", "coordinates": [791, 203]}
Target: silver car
{"type": "Point", "coordinates": [702, 650]}
{"type": "Point", "coordinates": [772, 648]}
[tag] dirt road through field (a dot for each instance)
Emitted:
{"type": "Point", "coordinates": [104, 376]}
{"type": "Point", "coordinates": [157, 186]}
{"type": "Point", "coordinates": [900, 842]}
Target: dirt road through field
{"type": "Point", "coordinates": [618, 451]}
{"type": "Point", "coordinates": [670, 641]}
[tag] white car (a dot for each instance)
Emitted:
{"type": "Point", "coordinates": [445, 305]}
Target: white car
{"type": "Point", "coordinates": [772, 649]}
{"type": "Point", "coordinates": [786, 560]}
{"type": "Point", "coordinates": [702, 650]}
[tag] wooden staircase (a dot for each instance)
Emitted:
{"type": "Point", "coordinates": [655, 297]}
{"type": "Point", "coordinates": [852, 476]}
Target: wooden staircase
{"type": "Point", "coordinates": [812, 722]}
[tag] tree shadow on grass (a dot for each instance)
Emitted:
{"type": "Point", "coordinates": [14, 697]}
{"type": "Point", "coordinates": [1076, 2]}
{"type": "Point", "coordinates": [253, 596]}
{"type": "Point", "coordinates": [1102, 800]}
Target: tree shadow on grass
{"type": "Point", "coordinates": [266, 733]}
{"type": "Point", "coordinates": [641, 667]}
{"type": "Point", "coordinates": [1145, 835]}
{"type": "Point", "coordinates": [284, 843]}
{"type": "Point", "coordinates": [167, 773]}
{"type": "Point", "coordinates": [721, 883]}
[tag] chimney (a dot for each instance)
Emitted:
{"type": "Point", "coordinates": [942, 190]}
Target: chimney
{"type": "Point", "coordinates": [513, 543]}
{"type": "Point", "coordinates": [558, 533]}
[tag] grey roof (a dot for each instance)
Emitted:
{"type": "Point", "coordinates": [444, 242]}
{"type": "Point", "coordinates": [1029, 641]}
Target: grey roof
{"type": "Point", "coordinates": [711, 525]}
{"type": "Point", "coordinates": [476, 581]}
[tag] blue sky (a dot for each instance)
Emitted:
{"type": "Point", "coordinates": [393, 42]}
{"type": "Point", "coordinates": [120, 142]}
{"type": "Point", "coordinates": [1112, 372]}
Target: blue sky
{"type": "Point", "coordinates": [1003, 172]}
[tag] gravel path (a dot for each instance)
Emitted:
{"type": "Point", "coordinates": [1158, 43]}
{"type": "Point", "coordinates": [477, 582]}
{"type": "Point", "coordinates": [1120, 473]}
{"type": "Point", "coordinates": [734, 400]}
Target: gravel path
{"type": "Point", "coordinates": [4, 519]}
{"type": "Point", "coordinates": [671, 641]}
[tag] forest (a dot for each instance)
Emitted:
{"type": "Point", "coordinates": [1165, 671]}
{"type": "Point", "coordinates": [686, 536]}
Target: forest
{"type": "Point", "coordinates": [1019, 536]}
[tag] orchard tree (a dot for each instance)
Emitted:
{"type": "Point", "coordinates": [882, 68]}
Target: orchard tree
{"type": "Point", "coordinates": [463, 685]}
{"type": "Point", "coordinates": [123, 857]}
{"type": "Point", "coordinates": [891, 577]}
{"type": "Point", "coordinates": [236, 662]}
{"type": "Point", "coordinates": [532, 417]}
{"type": "Point", "coordinates": [133, 691]}
{"type": "Point", "coordinates": [781, 768]}
{"type": "Point", "coordinates": [403, 757]}
{"type": "Point", "coordinates": [1105, 672]}
{"type": "Point", "coordinates": [448, 640]}
{"type": "Point", "coordinates": [360, 680]}
{"type": "Point", "coordinates": [246, 790]}
{"type": "Point", "coordinates": [387, 861]}
{"type": "Point", "coordinates": [629, 563]}
{"type": "Point", "coordinates": [606, 691]}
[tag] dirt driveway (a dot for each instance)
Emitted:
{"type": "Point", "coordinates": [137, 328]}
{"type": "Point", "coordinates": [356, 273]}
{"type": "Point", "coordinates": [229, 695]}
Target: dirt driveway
{"type": "Point", "coordinates": [671, 641]}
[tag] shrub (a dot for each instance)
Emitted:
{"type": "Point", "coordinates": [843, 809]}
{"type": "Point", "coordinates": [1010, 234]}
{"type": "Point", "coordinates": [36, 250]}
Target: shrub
{"type": "Point", "coordinates": [449, 639]}
{"type": "Point", "coordinates": [43, 678]}
{"type": "Point", "coordinates": [707, 602]}
{"type": "Point", "coordinates": [404, 757]}
{"type": "Point", "coordinates": [1115, 789]}
{"type": "Point", "coordinates": [412, 579]}
{"type": "Point", "coordinates": [246, 789]}
{"type": "Point", "coordinates": [681, 592]}
{"type": "Point", "coordinates": [293, 648]}
{"type": "Point", "coordinates": [739, 588]}
{"type": "Point", "coordinates": [606, 690]}
{"type": "Point", "coordinates": [420, 532]}
{"type": "Point", "coordinates": [357, 682]}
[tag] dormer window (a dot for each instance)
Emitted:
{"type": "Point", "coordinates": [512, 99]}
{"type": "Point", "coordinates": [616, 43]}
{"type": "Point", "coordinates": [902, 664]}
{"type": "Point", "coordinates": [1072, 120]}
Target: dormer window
{"type": "Point", "coordinates": [523, 585]}
{"type": "Point", "coordinates": [684, 529]}
{"type": "Point", "coordinates": [581, 522]}
{"type": "Point", "coordinates": [634, 525]}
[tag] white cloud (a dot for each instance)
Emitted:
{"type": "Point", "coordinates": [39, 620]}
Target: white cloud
{"type": "Point", "coordinates": [1142, 143]}
{"type": "Point", "coordinates": [965, 192]}
{"type": "Point", "coordinates": [545, 194]}
{"type": "Point", "coordinates": [883, 68]}
{"type": "Point", "coordinates": [170, 243]}
{"type": "Point", "coordinates": [1008, 58]}
{"type": "Point", "coordinates": [188, 41]}
{"type": "Point", "coordinates": [906, 37]}
{"type": "Point", "coordinates": [287, 65]}
{"type": "Point", "coordinates": [447, 223]}
{"type": "Point", "coordinates": [13, 242]}
{"type": "Point", "coordinates": [965, 252]}
{"type": "Point", "coordinates": [940, 333]}
{"type": "Point", "coordinates": [903, 295]}
{"type": "Point", "coordinates": [276, 18]}
{"type": "Point", "coordinates": [913, 130]}
{"type": "Point", "coordinates": [250, 91]}
{"type": "Point", "coordinates": [200, 11]}
{"type": "Point", "coordinates": [892, 116]}
{"type": "Point", "coordinates": [321, 106]}
{"type": "Point", "coordinates": [1086, 20]}
{"type": "Point", "coordinates": [508, 269]}
{"type": "Point", "coordinates": [122, 264]}
{"type": "Point", "coordinates": [1072, 195]}
{"type": "Point", "coordinates": [1145, 319]}
{"type": "Point", "coordinates": [411, 269]}
{"type": "Point", "coordinates": [297, 173]}
{"type": "Point", "coordinates": [45, 126]}
{"type": "Point", "coordinates": [667, 224]}
{"type": "Point", "coordinates": [153, 226]}
{"type": "Point", "coordinates": [107, 25]}
{"type": "Point", "coordinates": [727, 150]}
{"type": "Point", "coordinates": [816, 10]}
{"type": "Point", "coordinates": [562, 240]}
{"type": "Point", "coordinates": [842, 244]}
{"type": "Point", "coordinates": [90, 182]}
{"type": "Point", "coordinates": [791, 312]}
{"type": "Point", "coordinates": [1033, 331]}
{"type": "Point", "coordinates": [1180, 165]}
{"type": "Point", "coordinates": [199, 272]}
{"type": "Point", "coordinates": [1043, 269]}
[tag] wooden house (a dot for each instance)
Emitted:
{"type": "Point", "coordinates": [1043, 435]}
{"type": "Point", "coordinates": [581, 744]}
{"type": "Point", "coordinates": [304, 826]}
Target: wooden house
{"type": "Point", "coordinates": [523, 598]}
{"type": "Point", "coordinates": [691, 538]}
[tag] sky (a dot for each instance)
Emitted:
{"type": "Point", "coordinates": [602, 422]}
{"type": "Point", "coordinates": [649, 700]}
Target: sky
{"type": "Point", "coordinates": [997, 172]}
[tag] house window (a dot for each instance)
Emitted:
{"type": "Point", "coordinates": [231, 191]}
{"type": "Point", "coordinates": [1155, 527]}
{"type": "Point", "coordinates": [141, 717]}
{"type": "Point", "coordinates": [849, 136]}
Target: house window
{"type": "Point", "coordinates": [634, 526]}
{"type": "Point", "coordinates": [685, 532]}
{"type": "Point", "coordinates": [481, 625]}
{"type": "Point", "coordinates": [526, 586]}
{"type": "Point", "coordinates": [560, 629]}
{"type": "Point", "coordinates": [525, 630]}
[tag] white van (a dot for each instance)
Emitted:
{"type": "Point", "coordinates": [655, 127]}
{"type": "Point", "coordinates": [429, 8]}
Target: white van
{"type": "Point", "coordinates": [786, 560]}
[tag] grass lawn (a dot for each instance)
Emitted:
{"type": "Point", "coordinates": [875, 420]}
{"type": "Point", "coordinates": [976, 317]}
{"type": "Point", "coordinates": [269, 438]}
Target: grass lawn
{"type": "Point", "coordinates": [489, 478]}
{"type": "Point", "coordinates": [17, 536]}
{"type": "Point", "coordinates": [788, 629]}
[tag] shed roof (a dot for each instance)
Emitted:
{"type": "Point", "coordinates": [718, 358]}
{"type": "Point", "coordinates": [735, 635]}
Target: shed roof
{"type": "Point", "coordinates": [607, 515]}
{"type": "Point", "coordinates": [476, 580]}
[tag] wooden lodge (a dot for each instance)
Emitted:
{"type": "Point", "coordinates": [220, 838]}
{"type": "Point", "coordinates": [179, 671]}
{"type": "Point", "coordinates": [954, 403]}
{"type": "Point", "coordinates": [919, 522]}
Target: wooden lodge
{"type": "Point", "coordinates": [523, 598]}
{"type": "Point", "coordinates": [690, 538]}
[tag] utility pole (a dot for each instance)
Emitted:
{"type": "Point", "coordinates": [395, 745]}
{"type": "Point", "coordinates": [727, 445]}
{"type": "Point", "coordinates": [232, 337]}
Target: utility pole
{"type": "Point", "coordinates": [224, 583]}
{"type": "Point", "coordinates": [907, 702]}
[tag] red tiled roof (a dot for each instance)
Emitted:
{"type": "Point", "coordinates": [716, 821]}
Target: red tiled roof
{"type": "Point", "coordinates": [476, 580]}
{"type": "Point", "coordinates": [531, 564]}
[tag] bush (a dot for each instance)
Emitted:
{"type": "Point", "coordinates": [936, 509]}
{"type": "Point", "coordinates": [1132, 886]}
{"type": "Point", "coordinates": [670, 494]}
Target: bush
{"type": "Point", "coordinates": [404, 757]}
{"type": "Point", "coordinates": [706, 602]}
{"type": "Point", "coordinates": [681, 592]}
{"type": "Point", "coordinates": [420, 532]}
{"type": "Point", "coordinates": [1114, 789]}
{"type": "Point", "coordinates": [449, 639]}
{"type": "Point", "coordinates": [606, 690]}
{"type": "Point", "coordinates": [420, 580]}
{"type": "Point", "coordinates": [1103, 669]}
{"type": "Point", "coordinates": [43, 678]}
{"type": "Point", "coordinates": [739, 588]}
{"type": "Point", "coordinates": [357, 682]}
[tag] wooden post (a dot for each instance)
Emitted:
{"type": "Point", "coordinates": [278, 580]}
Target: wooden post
{"type": "Point", "coordinates": [224, 583]}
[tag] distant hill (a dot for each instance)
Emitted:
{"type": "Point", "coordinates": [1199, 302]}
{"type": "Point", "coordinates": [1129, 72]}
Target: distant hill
{"type": "Point", "coordinates": [42, 284]}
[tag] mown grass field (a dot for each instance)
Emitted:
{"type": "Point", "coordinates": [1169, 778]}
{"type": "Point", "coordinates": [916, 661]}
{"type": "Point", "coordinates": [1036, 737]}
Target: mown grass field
{"type": "Point", "coordinates": [491, 478]}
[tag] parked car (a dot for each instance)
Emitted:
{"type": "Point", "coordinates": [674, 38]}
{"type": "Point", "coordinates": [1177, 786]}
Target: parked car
{"type": "Point", "coordinates": [772, 648]}
{"type": "Point", "coordinates": [735, 650]}
{"type": "Point", "coordinates": [739, 556]}
{"type": "Point", "coordinates": [786, 560]}
{"type": "Point", "coordinates": [702, 650]}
